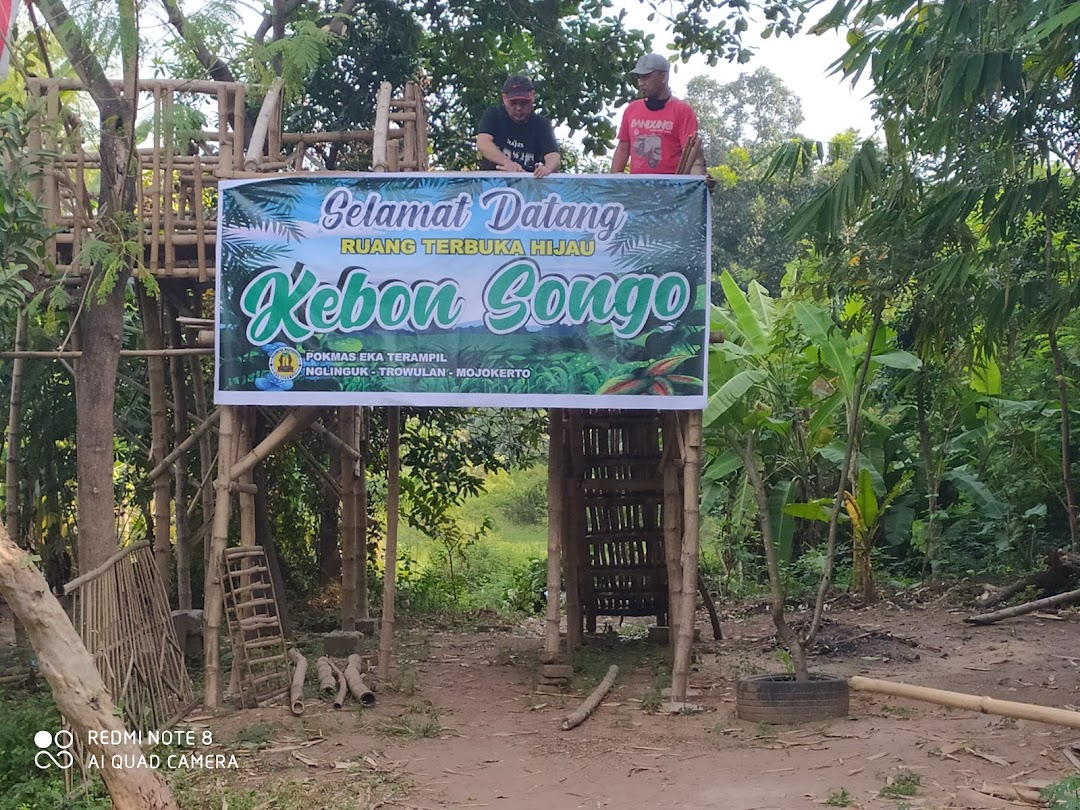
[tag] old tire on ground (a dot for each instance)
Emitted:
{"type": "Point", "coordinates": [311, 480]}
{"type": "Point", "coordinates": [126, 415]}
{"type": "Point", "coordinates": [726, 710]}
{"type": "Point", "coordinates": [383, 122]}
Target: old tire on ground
{"type": "Point", "coordinates": [781, 700]}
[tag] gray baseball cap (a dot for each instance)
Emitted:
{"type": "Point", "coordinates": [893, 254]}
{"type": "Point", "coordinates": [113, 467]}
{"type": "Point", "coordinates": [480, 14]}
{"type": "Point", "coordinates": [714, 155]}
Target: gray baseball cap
{"type": "Point", "coordinates": [650, 63]}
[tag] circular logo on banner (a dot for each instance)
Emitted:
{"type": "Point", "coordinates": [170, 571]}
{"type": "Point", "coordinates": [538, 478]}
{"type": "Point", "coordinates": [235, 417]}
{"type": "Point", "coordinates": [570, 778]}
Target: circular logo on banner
{"type": "Point", "coordinates": [285, 363]}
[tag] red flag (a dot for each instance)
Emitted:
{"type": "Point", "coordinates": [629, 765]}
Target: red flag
{"type": "Point", "coordinates": [7, 20]}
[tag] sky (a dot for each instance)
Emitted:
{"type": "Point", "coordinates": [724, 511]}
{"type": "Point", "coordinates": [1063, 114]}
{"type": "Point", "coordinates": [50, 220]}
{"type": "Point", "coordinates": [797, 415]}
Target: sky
{"type": "Point", "coordinates": [802, 63]}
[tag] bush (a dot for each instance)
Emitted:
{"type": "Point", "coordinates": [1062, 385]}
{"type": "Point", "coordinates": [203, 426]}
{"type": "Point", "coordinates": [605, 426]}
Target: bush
{"type": "Point", "coordinates": [527, 591]}
{"type": "Point", "coordinates": [521, 497]}
{"type": "Point", "coordinates": [23, 786]}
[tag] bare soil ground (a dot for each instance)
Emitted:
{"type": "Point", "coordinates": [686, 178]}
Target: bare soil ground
{"type": "Point", "coordinates": [463, 725]}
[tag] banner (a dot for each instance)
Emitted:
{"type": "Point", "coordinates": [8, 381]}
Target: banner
{"type": "Point", "coordinates": [8, 10]}
{"type": "Point", "coordinates": [477, 289]}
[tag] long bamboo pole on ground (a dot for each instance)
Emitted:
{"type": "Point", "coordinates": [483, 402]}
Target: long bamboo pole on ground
{"type": "Point", "coordinates": [1067, 598]}
{"type": "Point", "coordinates": [393, 484]}
{"type": "Point", "coordinates": [582, 712]}
{"type": "Point", "coordinates": [691, 549]}
{"type": "Point", "coordinates": [350, 552]}
{"type": "Point", "coordinates": [77, 687]}
{"type": "Point", "coordinates": [972, 703]}
{"type": "Point", "coordinates": [215, 570]}
{"type": "Point", "coordinates": [556, 474]}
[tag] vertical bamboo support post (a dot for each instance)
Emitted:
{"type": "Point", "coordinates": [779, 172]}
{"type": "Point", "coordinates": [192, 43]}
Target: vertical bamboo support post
{"type": "Point", "coordinates": [14, 456]}
{"type": "Point", "coordinates": [379, 160]}
{"type": "Point", "coordinates": [155, 187]}
{"type": "Point", "coordinates": [168, 184]}
{"type": "Point", "coordinates": [349, 546]}
{"type": "Point", "coordinates": [206, 450]}
{"type": "Point", "coordinates": [159, 430]}
{"type": "Point", "coordinates": [680, 673]}
{"type": "Point", "coordinates": [180, 474]}
{"type": "Point", "coordinates": [556, 474]}
{"type": "Point", "coordinates": [197, 209]}
{"type": "Point", "coordinates": [215, 570]}
{"type": "Point", "coordinates": [393, 451]}
{"type": "Point", "coordinates": [360, 492]}
{"type": "Point", "coordinates": [245, 496]}
{"type": "Point", "coordinates": [14, 434]}
{"type": "Point", "coordinates": [672, 463]}
{"type": "Point", "coordinates": [573, 528]}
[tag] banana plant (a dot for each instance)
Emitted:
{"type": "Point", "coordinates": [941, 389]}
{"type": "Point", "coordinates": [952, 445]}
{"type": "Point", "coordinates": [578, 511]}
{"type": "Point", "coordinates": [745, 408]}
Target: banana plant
{"type": "Point", "coordinates": [777, 384]}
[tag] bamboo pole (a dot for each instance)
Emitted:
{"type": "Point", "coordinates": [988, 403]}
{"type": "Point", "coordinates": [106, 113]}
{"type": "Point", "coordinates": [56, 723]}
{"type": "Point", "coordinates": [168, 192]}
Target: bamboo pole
{"type": "Point", "coordinates": [360, 494]}
{"type": "Point", "coordinates": [972, 703]}
{"type": "Point", "coordinates": [296, 688]}
{"type": "Point", "coordinates": [355, 680]}
{"type": "Point", "coordinates": [206, 451]}
{"type": "Point", "coordinates": [82, 579]}
{"type": "Point", "coordinates": [296, 421]}
{"type": "Point", "coordinates": [671, 462]}
{"type": "Point", "coordinates": [159, 431]}
{"type": "Point", "coordinates": [325, 673]}
{"type": "Point", "coordinates": [76, 354]}
{"type": "Point", "coordinates": [556, 473]}
{"type": "Point", "coordinates": [343, 688]}
{"type": "Point", "coordinates": [379, 160]}
{"type": "Point", "coordinates": [1067, 598]}
{"type": "Point", "coordinates": [582, 712]}
{"type": "Point", "coordinates": [349, 543]}
{"type": "Point", "coordinates": [14, 435]}
{"type": "Point", "coordinates": [214, 588]}
{"type": "Point", "coordinates": [181, 435]}
{"type": "Point", "coordinates": [184, 446]}
{"type": "Point", "coordinates": [14, 456]}
{"type": "Point", "coordinates": [573, 527]}
{"type": "Point", "coordinates": [262, 125]}
{"type": "Point", "coordinates": [691, 548]}
{"type": "Point", "coordinates": [393, 451]}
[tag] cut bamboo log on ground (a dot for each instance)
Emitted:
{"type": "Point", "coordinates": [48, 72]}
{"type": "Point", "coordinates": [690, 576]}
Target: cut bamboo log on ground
{"type": "Point", "coordinates": [296, 689]}
{"type": "Point", "coordinates": [582, 712]}
{"type": "Point", "coordinates": [325, 673]}
{"type": "Point", "coordinates": [343, 688]}
{"type": "Point", "coordinates": [973, 703]}
{"type": "Point", "coordinates": [355, 680]}
{"type": "Point", "coordinates": [1067, 598]}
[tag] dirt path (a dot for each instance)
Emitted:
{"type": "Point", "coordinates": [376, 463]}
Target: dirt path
{"type": "Point", "coordinates": [466, 727]}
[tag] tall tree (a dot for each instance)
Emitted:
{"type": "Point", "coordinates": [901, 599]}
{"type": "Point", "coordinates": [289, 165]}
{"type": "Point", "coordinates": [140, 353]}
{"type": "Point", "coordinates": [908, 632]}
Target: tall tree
{"type": "Point", "coordinates": [756, 111]}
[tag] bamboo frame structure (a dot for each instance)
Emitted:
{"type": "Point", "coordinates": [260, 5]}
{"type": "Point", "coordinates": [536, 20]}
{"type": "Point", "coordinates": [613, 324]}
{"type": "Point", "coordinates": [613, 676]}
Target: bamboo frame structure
{"type": "Point", "coordinates": [652, 478]}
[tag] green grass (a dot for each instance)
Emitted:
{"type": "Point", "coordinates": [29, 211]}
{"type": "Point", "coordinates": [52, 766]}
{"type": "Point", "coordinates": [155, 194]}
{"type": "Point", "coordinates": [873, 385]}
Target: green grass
{"type": "Point", "coordinates": [904, 785]}
{"type": "Point", "coordinates": [838, 798]}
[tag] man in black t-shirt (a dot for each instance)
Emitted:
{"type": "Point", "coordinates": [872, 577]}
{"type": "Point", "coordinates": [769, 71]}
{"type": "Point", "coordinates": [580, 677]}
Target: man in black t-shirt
{"type": "Point", "coordinates": [513, 138]}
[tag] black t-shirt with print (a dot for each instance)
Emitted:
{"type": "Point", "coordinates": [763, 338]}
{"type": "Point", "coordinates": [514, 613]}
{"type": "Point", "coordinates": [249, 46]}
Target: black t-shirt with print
{"type": "Point", "coordinates": [525, 144]}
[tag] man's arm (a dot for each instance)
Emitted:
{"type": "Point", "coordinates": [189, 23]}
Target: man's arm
{"type": "Point", "coordinates": [620, 158]}
{"type": "Point", "coordinates": [552, 161]}
{"type": "Point", "coordinates": [485, 145]}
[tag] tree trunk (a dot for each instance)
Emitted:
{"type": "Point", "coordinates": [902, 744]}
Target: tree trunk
{"type": "Point", "coordinates": [76, 685]}
{"type": "Point", "coordinates": [788, 637]}
{"type": "Point", "coordinates": [854, 408]}
{"type": "Point", "coordinates": [1066, 453]}
{"type": "Point", "coordinates": [926, 450]}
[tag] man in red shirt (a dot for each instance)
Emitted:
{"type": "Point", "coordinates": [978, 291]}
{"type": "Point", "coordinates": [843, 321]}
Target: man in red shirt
{"type": "Point", "coordinates": [654, 128]}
